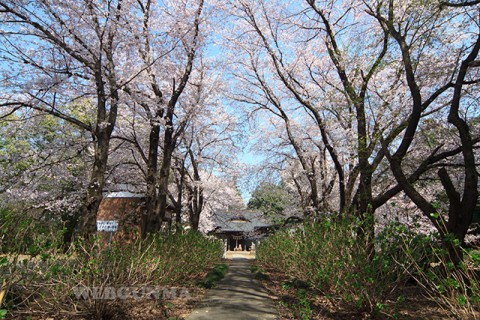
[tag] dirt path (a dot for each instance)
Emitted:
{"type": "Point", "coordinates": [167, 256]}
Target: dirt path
{"type": "Point", "coordinates": [237, 297]}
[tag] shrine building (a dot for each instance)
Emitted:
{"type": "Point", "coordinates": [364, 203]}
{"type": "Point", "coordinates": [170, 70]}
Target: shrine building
{"type": "Point", "coordinates": [241, 230]}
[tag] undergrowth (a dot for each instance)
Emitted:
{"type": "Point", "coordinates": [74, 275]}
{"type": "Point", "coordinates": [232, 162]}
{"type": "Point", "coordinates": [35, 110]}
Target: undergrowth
{"type": "Point", "coordinates": [330, 258]}
{"type": "Point", "coordinates": [216, 274]}
{"type": "Point", "coordinates": [43, 281]}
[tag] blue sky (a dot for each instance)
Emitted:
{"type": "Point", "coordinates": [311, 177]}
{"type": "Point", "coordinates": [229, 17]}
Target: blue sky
{"type": "Point", "coordinates": [249, 158]}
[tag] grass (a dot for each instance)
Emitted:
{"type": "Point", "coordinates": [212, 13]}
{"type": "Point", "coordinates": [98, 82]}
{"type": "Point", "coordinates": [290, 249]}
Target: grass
{"type": "Point", "coordinates": [44, 284]}
{"type": "Point", "coordinates": [216, 274]}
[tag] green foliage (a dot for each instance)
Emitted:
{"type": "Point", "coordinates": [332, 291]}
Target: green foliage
{"type": "Point", "coordinates": [216, 274]}
{"type": "Point", "coordinates": [39, 143]}
{"type": "Point", "coordinates": [303, 295]}
{"type": "Point", "coordinates": [304, 306]}
{"type": "Point", "coordinates": [23, 234]}
{"type": "Point", "coordinates": [271, 199]}
{"type": "Point", "coordinates": [50, 278]}
{"type": "Point", "coordinates": [455, 288]}
{"type": "Point", "coordinates": [14, 149]}
{"type": "Point", "coordinates": [475, 256]}
{"type": "Point", "coordinates": [328, 257]}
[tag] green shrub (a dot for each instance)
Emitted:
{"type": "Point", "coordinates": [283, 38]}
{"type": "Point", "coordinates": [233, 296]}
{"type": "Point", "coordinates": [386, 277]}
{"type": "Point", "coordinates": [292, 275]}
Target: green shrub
{"type": "Point", "coordinates": [216, 274]}
{"type": "Point", "coordinates": [22, 233]}
{"type": "Point", "coordinates": [329, 257]}
{"type": "Point", "coordinates": [304, 308]}
{"type": "Point", "coordinates": [46, 283]}
{"type": "Point", "coordinates": [455, 288]}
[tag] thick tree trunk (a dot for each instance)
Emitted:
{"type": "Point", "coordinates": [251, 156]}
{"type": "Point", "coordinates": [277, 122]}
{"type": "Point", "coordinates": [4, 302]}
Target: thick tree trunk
{"type": "Point", "coordinates": [96, 185]}
{"type": "Point", "coordinates": [178, 216]}
{"type": "Point", "coordinates": [103, 131]}
{"type": "Point", "coordinates": [462, 206]}
{"type": "Point", "coordinates": [195, 223]}
{"type": "Point", "coordinates": [163, 179]}
{"type": "Point", "coordinates": [151, 179]}
{"type": "Point", "coordinates": [195, 207]}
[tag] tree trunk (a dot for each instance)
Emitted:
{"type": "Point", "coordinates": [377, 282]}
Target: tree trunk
{"type": "Point", "coordinates": [96, 185]}
{"type": "Point", "coordinates": [103, 131]}
{"type": "Point", "coordinates": [163, 179]}
{"type": "Point", "coordinates": [179, 204]}
{"type": "Point", "coordinates": [169, 140]}
{"type": "Point", "coordinates": [151, 179]}
{"type": "Point", "coordinates": [196, 194]}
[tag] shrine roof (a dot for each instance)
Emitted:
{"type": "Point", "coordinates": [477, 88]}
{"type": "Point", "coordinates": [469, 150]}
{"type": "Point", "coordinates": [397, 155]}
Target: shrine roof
{"type": "Point", "coordinates": [240, 221]}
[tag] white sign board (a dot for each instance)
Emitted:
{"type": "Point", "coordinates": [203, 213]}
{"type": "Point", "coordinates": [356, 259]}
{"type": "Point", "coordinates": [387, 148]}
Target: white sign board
{"type": "Point", "coordinates": [107, 225]}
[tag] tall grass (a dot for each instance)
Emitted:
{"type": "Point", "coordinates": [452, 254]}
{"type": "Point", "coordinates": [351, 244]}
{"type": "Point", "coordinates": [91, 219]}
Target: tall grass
{"type": "Point", "coordinates": [43, 284]}
{"type": "Point", "coordinates": [332, 259]}
{"type": "Point", "coordinates": [455, 288]}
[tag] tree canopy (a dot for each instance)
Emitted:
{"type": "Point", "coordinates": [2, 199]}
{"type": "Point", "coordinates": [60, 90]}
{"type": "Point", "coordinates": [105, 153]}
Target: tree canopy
{"type": "Point", "coordinates": [271, 199]}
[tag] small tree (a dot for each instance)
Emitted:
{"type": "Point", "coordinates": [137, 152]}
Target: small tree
{"type": "Point", "coordinates": [271, 199]}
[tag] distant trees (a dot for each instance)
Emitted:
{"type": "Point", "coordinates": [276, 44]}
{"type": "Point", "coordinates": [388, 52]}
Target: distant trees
{"type": "Point", "coordinates": [271, 199]}
{"type": "Point", "coordinates": [206, 148]}
{"type": "Point", "coordinates": [43, 167]}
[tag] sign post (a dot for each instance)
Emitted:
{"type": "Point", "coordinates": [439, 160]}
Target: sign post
{"type": "Point", "coordinates": [109, 226]}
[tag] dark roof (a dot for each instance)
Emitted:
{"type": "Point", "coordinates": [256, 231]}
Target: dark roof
{"type": "Point", "coordinates": [240, 221]}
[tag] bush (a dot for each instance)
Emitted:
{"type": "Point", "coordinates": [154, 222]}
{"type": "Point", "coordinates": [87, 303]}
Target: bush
{"type": "Point", "coordinates": [216, 274]}
{"type": "Point", "coordinates": [330, 258]}
{"type": "Point", "coordinates": [455, 288]}
{"type": "Point", "coordinates": [46, 284]}
{"type": "Point", "coordinates": [23, 234]}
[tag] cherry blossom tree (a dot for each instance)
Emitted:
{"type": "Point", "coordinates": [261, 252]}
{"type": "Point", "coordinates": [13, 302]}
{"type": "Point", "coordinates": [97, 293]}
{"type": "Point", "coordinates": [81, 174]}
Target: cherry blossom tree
{"type": "Point", "coordinates": [414, 34]}
{"type": "Point", "coordinates": [333, 68]}
{"type": "Point", "coordinates": [63, 53]}
{"type": "Point", "coordinates": [208, 145]}
{"type": "Point", "coordinates": [169, 37]}
{"type": "Point", "coordinates": [130, 53]}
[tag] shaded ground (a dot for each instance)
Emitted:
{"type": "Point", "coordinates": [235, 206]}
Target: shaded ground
{"type": "Point", "coordinates": [237, 296]}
